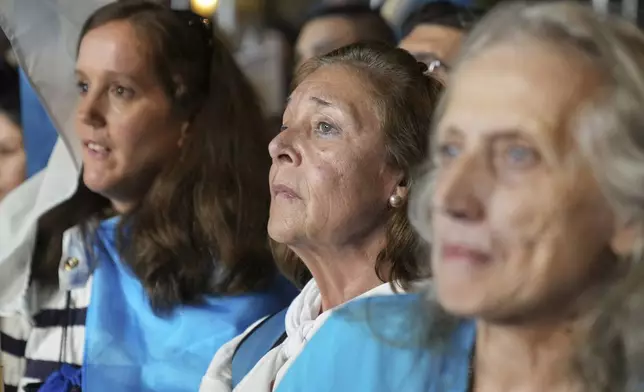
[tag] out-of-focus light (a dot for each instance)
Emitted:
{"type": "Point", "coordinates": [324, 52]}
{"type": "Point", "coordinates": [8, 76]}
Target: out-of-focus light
{"type": "Point", "coordinates": [205, 8]}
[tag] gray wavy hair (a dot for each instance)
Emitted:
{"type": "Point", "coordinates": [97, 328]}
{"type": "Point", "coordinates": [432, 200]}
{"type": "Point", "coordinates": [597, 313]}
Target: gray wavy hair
{"type": "Point", "coordinates": [610, 133]}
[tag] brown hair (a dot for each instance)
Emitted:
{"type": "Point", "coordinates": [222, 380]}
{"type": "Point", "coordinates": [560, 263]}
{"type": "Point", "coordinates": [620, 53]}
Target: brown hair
{"type": "Point", "coordinates": [201, 228]}
{"type": "Point", "coordinates": [404, 98]}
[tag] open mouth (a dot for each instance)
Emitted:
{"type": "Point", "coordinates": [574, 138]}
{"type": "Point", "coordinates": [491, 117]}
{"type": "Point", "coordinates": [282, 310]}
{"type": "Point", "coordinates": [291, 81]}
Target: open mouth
{"type": "Point", "coordinates": [97, 149]}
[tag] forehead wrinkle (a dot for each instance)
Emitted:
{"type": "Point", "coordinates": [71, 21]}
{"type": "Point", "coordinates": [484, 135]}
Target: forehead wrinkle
{"type": "Point", "coordinates": [572, 76]}
{"type": "Point", "coordinates": [349, 104]}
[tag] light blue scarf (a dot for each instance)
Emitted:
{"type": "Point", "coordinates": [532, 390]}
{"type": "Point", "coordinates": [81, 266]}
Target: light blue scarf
{"type": "Point", "coordinates": [130, 348]}
{"type": "Point", "coordinates": [379, 344]}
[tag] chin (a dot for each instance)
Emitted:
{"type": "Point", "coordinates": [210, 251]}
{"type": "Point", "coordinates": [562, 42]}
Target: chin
{"type": "Point", "coordinates": [279, 233]}
{"type": "Point", "coordinates": [284, 226]}
{"type": "Point", "coordinates": [96, 184]}
{"type": "Point", "coordinates": [461, 303]}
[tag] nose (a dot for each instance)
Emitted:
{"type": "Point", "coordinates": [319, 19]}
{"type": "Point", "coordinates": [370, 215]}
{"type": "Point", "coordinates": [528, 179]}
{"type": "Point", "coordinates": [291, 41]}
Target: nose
{"type": "Point", "coordinates": [90, 113]}
{"type": "Point", "coordinates": [282, 149]}
{"type": "Point", "coordinates": [463, 188]}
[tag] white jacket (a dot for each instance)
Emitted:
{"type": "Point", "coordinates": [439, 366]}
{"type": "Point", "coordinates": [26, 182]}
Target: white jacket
{"type": "Point", "coordinates": [43, 33]}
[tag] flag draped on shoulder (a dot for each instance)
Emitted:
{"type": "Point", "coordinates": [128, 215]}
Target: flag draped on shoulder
{"type": "Point", "coordinates": [43, 35]}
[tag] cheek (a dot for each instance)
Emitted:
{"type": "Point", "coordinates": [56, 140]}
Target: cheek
{"type": "Point", "coordinates": [549, 220]}
{"type": "Point", "coordinates": [343, 191]}
{"type": "Point", "coordinates": [326, 186]}
{"type": "Point", "coordinates": [143, 135]}
{"type": "Point", "coordinates": [522, 215]}
{"type": "Point", "coordinates": [12, 169]}
{"type": "Point", "coordinates": [354, 183]}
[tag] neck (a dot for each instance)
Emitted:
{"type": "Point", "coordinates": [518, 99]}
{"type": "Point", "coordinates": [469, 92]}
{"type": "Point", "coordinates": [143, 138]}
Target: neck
{"type": "Point", "coordinates": [526, 358]}
{"type": "Point", "coordinates": [121, 207]}
{"type": "Point", "coordinates": [343, 272]}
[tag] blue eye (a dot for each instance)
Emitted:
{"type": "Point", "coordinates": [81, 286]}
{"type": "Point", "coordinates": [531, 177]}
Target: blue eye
{"type": "Point", "coordinates": [520, 155]}
{"type": "Point", "coordinates": [325, 129]}
{"type": "Point", "coordinates": [449, 150]}
{"type": "Point", "coordinates": [82, 87]}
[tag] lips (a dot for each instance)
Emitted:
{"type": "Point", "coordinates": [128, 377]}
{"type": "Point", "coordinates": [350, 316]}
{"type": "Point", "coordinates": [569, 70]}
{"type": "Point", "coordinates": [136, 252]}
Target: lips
{"type": "Point", "coordinates": [464, 253]}
{"type": "Point", "coordinates": [280, 190]}
{"type": "Point", "coordinates": [96, 149]}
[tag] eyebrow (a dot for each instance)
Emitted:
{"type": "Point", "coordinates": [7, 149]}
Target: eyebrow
{"type": "Point", "coordinates": [322, 102]}
{"type": "Point", "coordinates": [342, 107]}
{"type": "Point", "coordinates": [551, 154]}
{"type": "Point", "coordinates": [505, 133]}
{"type": "Point", "coordinates": [80, 74]}
{"type": "Point", "coordinates": [317, 100]}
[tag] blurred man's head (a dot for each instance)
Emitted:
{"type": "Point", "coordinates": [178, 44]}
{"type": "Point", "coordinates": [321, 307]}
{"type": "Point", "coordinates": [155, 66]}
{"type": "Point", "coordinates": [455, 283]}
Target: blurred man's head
{"type": "Point", "coordinates": [333, 27]}
{"type": "Point", "coordinates": [433, 33]}
{"type": "Point", "coordinates": [13, 163]}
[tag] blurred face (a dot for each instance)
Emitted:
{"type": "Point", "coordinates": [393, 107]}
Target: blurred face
{"type": "Point", "coordinates": [322, 35]}
{"type": "Point", "coordinates": [124, 117]}
{"type": "Point", "coordinates": [432, 43]}
{"type": "Point", "coordinates": [13, 161]}
{"type": "Point", "coordinates": [519, 222]}
{"type": "Point", "coordinates": [329, 181]}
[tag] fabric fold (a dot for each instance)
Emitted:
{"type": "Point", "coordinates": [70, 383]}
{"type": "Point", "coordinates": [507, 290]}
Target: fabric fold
{"type": "Point", "coordinates": [43, 34]}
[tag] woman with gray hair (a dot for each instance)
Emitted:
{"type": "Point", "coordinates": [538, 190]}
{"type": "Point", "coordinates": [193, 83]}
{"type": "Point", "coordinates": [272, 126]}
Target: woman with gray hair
{"type": "Point", "coordinates": [533, 206]}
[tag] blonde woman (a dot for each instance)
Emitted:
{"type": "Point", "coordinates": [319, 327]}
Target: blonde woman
{"type": "Point", "coordinates": [533, 210]}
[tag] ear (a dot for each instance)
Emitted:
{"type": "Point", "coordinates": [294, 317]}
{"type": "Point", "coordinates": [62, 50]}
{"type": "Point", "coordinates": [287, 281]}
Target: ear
{"type": "Point", "coordinates": [626, 239]}
{"type": "Point", "coordinates": [184, 133]}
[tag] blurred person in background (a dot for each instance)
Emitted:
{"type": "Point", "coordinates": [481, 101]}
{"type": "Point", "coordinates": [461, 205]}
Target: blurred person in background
{"type": "Point", "coordinates": [329, 27]}
{"type": "Point", "coordinates": [354, 129]}
{"type": "Point", "coordinates": [13, 163]}
{"type": "Point", "coordinates": [265, 54]}
{"type": "Point", "coordinates": [534, 211]}
{"type": "Point", "coordinates": [160, 255]}
{"type": "Point", "coordinates": [434, 31]}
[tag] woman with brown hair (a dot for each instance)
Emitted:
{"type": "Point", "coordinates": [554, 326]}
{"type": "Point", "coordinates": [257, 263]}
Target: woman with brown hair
{"type": "Point", "coordinates": [161, 255]}
{"type": "Point", "coordinates": [354, 129]}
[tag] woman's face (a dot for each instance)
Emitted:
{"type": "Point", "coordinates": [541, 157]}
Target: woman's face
{"type": "Point", "coordinates": [519, 222]}
{"type": "Point", "coordinates": [330, 183]}
{"type": "Point", "coordinates": [13, 161]}
{"type": "Point", "coordinates": [124, 117]}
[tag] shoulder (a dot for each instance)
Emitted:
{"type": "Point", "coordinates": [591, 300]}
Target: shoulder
{"type": "Point", "coordinates": [358, 341]}
{"type": "Point", "coordinates": [400, 316]}
{"type": "Point", "coordinates": [219, 374]}
{"type": "Point", "coordinates": [385, 343]}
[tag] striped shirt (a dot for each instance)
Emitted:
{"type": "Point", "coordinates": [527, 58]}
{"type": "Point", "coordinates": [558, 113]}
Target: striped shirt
{"type": "Point", "coordinates": [30, 345]}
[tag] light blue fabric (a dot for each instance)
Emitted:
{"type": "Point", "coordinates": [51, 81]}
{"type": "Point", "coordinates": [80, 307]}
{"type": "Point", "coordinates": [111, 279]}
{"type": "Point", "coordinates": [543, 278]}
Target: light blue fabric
{"type": "Point", "coordinates": [39, 134]}
{"type": "Point", "coordinates": [380, 344]}
{"type": "Point", "coordinates": [129, 348]}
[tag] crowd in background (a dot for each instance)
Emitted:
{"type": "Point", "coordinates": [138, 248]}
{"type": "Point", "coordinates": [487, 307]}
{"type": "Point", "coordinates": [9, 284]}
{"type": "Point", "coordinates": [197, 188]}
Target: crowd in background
{"type": "Point", "coordinates": [270, 64]}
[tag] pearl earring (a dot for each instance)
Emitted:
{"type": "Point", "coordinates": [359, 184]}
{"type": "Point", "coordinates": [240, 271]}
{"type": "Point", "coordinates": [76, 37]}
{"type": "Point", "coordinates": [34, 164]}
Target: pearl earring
{"type": "Point", "coordinates": [395, 201]}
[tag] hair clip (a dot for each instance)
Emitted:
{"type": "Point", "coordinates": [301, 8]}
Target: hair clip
{"type": "Point", "coordinates": [434, 65]}
{"type": "Point", "coordinates": [430, 63]}
{"type": "Point", "coordinates": [198, 22]}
